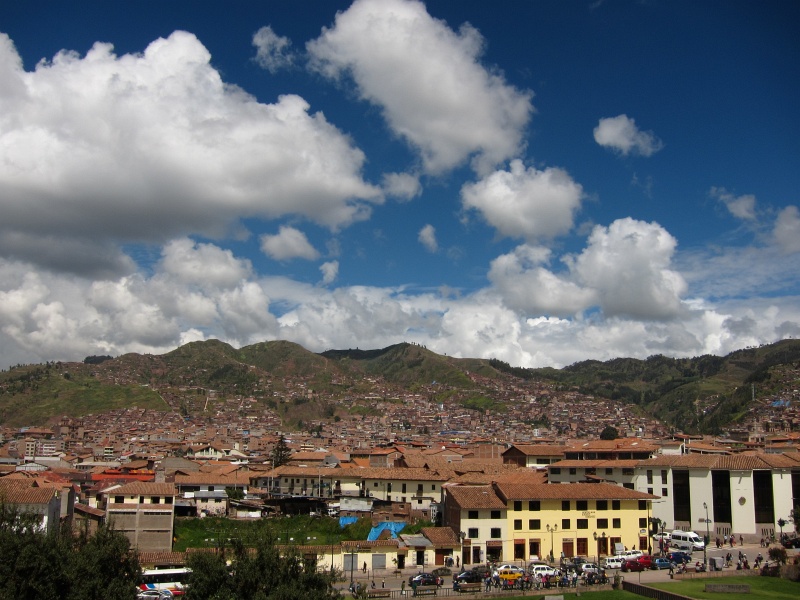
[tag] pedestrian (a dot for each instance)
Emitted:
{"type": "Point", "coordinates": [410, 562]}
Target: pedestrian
{"type": "Point", "coordinates": [403, 588]}
{"type": "Point", "coordinates": [365, 567]}
{"type": "Point", "coordinates": [741, 540]}
{"type": "Point", "coordinates": [725, 539]}
{"type": "Point", "coordinates": [373, 584]}
{"type": "Point", "coordinates": [383, 582]}
{"type": "Point", "coordinates": [458, 559]}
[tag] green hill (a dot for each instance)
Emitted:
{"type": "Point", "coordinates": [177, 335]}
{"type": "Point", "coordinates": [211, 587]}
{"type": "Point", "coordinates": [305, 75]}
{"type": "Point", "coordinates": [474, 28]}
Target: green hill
{"type": "Point", "coordinates": [692, 394]}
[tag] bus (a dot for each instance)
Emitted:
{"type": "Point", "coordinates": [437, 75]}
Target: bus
{"type": "Point", "coordinates": [173, 580]}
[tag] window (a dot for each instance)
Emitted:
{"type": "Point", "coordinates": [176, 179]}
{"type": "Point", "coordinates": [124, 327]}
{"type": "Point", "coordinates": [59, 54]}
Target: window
{"type": "Point", "coordinates": [565, 524]}
{"type": "Point", "coordinates": [582, 523]}
{"type": "Point", "coordinates": [609, 471]}
{"type": "Point", "coordinates": [211, 487]}
{"type": "Point", "coordinates": [556, 470]}
{"type": "Point", "coordinates": [615, 504]}
{"type": "Point", "coordinates": [581, 505]}
{"type": "Point", "coordinates": [495, 514]}
{"type": "Point", "coordinates": [119, 499]}
{"type": "Point", "coordinates": [602, 505]}
{"type": "Point", "coordinates": [573, 471]}
{"type": "Point", "coordinates": [649, 490]}
{"type": "Point", "coordinates": [155, 500]}
{"type": "Point", "coordinates": [472, 533]}
{"type": "Point", "coordinates": [642, 504]}
{"type": "Point", "coordinates": [517, 505]}
{"type": "Point", "coordinates": [534, 505]}
{"type": "Point", "coordinates": [403, 490]}
{"type": "Point", "coordinates": [649, 477]}
{"type": "Point", "coordinates": [591, 471]}
{"type": "Point", "coordinates": [141, 499]}
{"type": "Point", "coordinates": [517, 524]}
{"type": "Point", "coordinates": [534, 524]}
{"type": "Point", "coordinates": [433, 487]}
{"type": "Point", "coordinates": [627, 471]}
{"type": "Point", "coordinates": [602, 523]}
{"type": "Point", "coordinates": [642, 522]}
{"type": "Point", "coordinates": [168, 500]}
{"type": "Point", "coordinates": [375, 484]}
{"type": "Point", "coordinates": [472, 514]}
{"type": "Point", "coordinates": [494, 532]}
{"type": "Point", "coordinates": [664, 492]}
{"type": "Point", "coordinates": [663, 477]}
{"type": "Point", "coordinates": [616, 523]}
{"type": "Point", "coordinates": [565, 504]}
{"type": "Point", "coordinates": [627, 486]}
{"type": "Point", "coordinates": [419, 487]}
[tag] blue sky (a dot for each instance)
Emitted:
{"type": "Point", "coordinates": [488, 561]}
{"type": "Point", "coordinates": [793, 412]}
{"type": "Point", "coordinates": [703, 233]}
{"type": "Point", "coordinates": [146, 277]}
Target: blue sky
{"type": "Point", "coordinates": [540, 182]}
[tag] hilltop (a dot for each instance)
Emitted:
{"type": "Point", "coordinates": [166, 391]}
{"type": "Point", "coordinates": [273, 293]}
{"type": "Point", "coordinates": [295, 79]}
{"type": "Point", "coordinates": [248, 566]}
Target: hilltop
{"type": "Point", "coordinates": [706, 393]}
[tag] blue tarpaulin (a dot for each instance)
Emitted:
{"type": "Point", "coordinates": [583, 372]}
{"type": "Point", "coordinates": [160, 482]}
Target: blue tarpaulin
{"type": "Point", "coordinates": [394, 528]}
{"type": "Point", "coordinates": [347, 520]}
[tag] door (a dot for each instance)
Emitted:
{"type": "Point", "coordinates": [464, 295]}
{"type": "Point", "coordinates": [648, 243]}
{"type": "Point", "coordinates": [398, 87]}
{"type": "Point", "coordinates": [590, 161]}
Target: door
{"type": "Point", "coordinates": [534, 549]}
{"type": "Point", "coordinates": [568, 547]}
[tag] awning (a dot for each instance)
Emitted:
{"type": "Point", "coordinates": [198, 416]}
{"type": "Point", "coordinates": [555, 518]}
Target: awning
{"type": "Point", "coordinates": [494, 544]}
{"type": "Point", "coordinates": [519, 541]}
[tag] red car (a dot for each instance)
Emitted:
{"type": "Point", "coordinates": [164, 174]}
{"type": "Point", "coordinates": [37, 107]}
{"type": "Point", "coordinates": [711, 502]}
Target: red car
{"type": "Point", "coordinates": [633, 565]}
{"type": "Point", "coordinates": [646, 560]}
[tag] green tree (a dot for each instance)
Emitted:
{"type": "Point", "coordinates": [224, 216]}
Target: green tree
{"type": "Point", "coordinates": [103, 565]}
{"type": "Point", "coordinates": [609, 433]}
{"type": "Point", "coordinates": [259, 573]}
{"type": "Point", "coordinates": [280, 453]}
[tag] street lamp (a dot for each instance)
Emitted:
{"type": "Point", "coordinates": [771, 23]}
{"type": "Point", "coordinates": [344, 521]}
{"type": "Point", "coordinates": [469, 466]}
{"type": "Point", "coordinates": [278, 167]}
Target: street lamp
{"type": "Point", "coordinates": [552, 530]}
{"type": "Point", "coordinates": [708, 538]}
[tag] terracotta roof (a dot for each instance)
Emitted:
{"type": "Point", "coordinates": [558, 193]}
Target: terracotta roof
{"type": "Point", "coordinates": [237, 478]}
{"type": "Point", "coordinates": [733, 462]}
{"type": "Point", "coordinates": [147, 559]}
{"type": "Point", "coordinates": [21, 492]}
{"type": "Point", "coordinates": [146, 488]}
{"type": "Point", "coordinates": [539, 449]}
{"type": "Point", "coordinates": [441, 536]}
{"type": "Point", "coordinates": [89, 510]}
{"type": "Point", "coordinates": [568, 491]}
{"type": "Point", "coordinates": [474, 496]}
{"type": "Point", "coordinates": [597, 464]}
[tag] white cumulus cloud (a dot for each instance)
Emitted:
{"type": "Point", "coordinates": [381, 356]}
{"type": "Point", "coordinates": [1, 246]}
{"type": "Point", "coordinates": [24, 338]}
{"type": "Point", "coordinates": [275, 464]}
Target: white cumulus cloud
{"type": "Point", "coordinates": [742, 207]}
{"type": "Point", "coordinates": [427, 237]}
{"type": "Point", "coordinates": [273, 52]}
{"type": "Point", "coordinates": [428, 81]}
{"type": "Point", "coordinates": [403, 186]}
{"type": "Point", "coordinates": [330, 271]}
{"type": "Point", "coordinates": [184, 153]}
{"type": "Point", "coordinates": [526, 203]}
{"type": "Point", "coordinates": [620, 133]}
{"type": "Point", "coordinates": [787, 230]}
{"type": "Point", "coordinates": [288, 243]}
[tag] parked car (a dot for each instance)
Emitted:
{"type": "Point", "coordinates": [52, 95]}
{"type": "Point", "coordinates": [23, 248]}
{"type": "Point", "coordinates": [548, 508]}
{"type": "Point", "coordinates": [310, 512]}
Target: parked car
{"type": "Point", "coordinates": [657, 537]}
{"type": "Point", "coordinates": [661, 563]}
{"type": "Point", "coordinates": [469, 577]}
{"type": "Point", "coordinates": [588, 567]}
{"type": "Point", "coordinates": [630, 554]}
{"type": "Point", "coordinates": [542, 570]}
{"type": "Point", "coordinates": [425, 579]}
{"type": "Point", "coordinates": [679, 557]}
{"type": "Point", "coordinates": [790, 542]}
{"type": "Point", "coordinates": [646, 560]}
{"type": "Point", "coordinates": [510, 568]}
{"type": "Point", "coordinates": [613, 562]}
{"type": "Point", "coordinates": [633, 565]}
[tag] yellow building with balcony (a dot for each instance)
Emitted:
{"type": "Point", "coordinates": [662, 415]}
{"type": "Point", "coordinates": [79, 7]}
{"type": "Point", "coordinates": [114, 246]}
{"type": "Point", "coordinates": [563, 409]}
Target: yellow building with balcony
{"type": "Point", "coordinates": [541, 519]}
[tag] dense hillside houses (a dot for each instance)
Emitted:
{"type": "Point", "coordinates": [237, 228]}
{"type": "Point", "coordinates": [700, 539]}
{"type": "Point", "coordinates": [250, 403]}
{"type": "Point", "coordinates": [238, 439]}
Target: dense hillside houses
{"type": "Point", "coordinates": [490, 501]}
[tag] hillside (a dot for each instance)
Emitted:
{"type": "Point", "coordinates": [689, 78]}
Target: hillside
{"type": "Point", "coordinates": [704, 393]}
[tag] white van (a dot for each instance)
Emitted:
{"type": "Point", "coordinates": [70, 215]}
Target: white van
{"type": "Point", "coordinates": [686, 541]}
